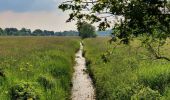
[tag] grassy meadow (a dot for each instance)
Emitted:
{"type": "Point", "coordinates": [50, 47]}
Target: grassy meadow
{"type": "Point", "coordinates": [40, 68]}
{"type": "Point", "coordinates": [36, 68]}
{"type": "Point", "coordinates": [125, 72]}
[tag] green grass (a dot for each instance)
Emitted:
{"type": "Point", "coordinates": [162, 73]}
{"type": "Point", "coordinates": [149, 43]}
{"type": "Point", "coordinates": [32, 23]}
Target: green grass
{"type": "Point", "coordinates": [40, 68]}
{"type": "Point", "coordinates": [126, 72]}
{"type": "Point", "coordinates": [36, 67]}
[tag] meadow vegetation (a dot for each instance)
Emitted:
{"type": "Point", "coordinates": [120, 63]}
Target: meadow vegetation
{"type": "Point", "coordinates": [127, 72]}
{"type": "Point", "coordinates": [36, 68]}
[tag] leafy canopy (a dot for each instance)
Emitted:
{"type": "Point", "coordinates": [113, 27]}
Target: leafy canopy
{"type": "Point", "coordinates": [149, 19]}
{"type": "Point", "coordinates": [129, 18]}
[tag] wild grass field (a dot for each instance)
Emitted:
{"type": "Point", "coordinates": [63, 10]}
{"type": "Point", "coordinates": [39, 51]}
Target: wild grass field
{"type": "Point", "coordinates": [36, 68]}
{"type": "Point", "coordinates": [41, 68]}
{"type": "Point", "coordinates": [126, 72]}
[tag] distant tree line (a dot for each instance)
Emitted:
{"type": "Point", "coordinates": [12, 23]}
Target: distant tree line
{"type": "Point", "coordinates": [37, 32]}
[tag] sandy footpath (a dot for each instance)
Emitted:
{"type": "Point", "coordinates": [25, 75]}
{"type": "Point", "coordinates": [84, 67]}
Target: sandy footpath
{"type": "Point", "coordinates": [82, 83]}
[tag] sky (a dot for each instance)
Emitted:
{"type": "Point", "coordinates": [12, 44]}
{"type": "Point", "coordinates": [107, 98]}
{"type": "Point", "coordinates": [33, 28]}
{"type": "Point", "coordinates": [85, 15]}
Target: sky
{"type": "Point", "coordinates": [34, 14]}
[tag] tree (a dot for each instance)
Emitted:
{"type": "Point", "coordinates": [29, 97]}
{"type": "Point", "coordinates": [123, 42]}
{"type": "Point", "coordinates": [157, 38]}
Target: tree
{"type": "Point", "coordinates": [37, 32]}
{"type": "Point", "coordinates": [11, 31]}
{"type": "Point", "coordinates": [25, 32]}
{"type": "Point", "coordinates": [48, 33]}
{"type": "Point", "coordinates": [86, 30]}
{"type": "Point", "coordinates": [1, 31]}
{"type": "Point", "coordinates": [149, 19]}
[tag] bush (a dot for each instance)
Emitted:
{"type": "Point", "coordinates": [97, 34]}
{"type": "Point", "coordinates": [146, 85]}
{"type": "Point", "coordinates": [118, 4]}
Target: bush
{"type": "Point", "coordinates": [46, 82]}
{"type": "Point", "coordinates": [123, 93]}
{"type": "Point", "coordinates": [146, 93]}
{"type": "Point", "coordinates": [24, 91]}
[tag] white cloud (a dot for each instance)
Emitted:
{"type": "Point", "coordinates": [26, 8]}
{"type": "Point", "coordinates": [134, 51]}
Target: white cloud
{"type": "Point", "coordinates": [36, 20]}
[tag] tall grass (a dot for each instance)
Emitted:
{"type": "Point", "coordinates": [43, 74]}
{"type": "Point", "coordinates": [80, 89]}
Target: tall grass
{"type": "Point", "coordinates": [36, 67]}
{"type": "Point", "coordinates": [126, 72]}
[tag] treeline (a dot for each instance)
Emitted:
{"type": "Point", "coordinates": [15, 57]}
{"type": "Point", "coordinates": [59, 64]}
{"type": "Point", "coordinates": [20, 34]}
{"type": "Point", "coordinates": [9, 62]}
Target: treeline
{"type": "Point", "coordinates": [37, 32]}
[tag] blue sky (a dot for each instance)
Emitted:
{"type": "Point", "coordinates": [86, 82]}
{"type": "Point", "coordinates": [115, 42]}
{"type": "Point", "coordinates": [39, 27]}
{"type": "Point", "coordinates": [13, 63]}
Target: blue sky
{"type": "Point", "coordinates": [33, 14]}
{"type": "Point", "coordinates": [28, 5]}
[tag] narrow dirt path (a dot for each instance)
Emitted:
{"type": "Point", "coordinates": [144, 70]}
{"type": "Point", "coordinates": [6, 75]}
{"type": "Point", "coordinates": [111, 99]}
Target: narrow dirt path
{"type": "Point", "coordinates": [82, 84]}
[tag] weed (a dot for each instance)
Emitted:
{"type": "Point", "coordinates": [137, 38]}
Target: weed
{"type": "Point", "coordinates": [24, 91]}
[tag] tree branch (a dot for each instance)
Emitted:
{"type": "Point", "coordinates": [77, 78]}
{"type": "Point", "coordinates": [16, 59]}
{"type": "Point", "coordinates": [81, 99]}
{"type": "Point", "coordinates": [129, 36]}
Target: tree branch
{"type": "Point", "coordinates": [156, 55]}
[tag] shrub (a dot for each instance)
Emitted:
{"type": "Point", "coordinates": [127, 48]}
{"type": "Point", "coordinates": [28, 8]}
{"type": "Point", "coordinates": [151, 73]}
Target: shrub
{"type": "Point", "coordinates": [123, 93]}
{"type": "Point", "coordinates": [24, 91]}
{"type": "Point", "coordinates": [146, 93]}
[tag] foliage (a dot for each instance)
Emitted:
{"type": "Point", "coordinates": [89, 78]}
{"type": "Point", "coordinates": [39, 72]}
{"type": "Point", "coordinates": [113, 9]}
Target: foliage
{"type": "Point", "coordinates": [37, 32]}
{"type": "Point", "coordinates": [137, 16]}
{"type": "Point", "coordinates": [146, 94]}
{"type": "Point", "coordinates": [132, 18]}
{"type": "Point", "coordinates": [11, 31]}
{"type": "Point", "coordinates": [128, 73]}
{"type": "Point", "coordinates": [48, 32]}
{"type": "Point", "coordinates": [24, 31]}
{"type": "Point", "coordinates": [24, 91]}
{"type": "Point", "coordinates": [86, 30]}
{"type": "Point", "coordinates": [1, 31]}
